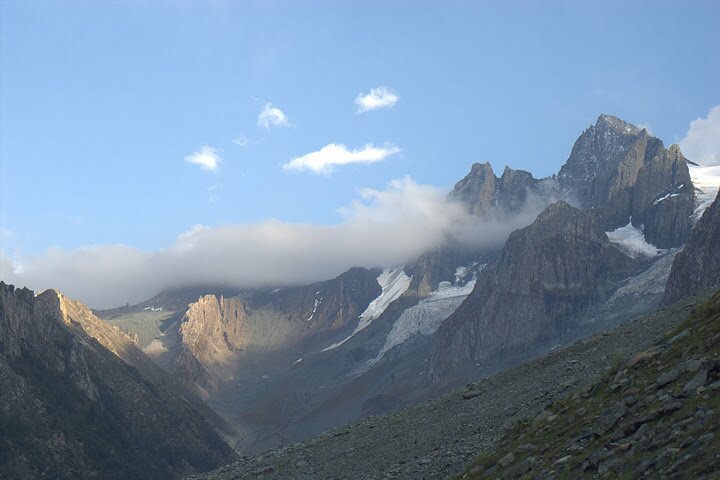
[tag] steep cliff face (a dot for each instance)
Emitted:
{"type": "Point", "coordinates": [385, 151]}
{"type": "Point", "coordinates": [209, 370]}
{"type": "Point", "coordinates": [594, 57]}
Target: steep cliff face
{"type": "Point", "coordinates": [80, 400]}
{"type": "Point", "coordinates": [624, 173]}
{"type": "Point", "coordinates": [697, 267]}
{"type": "Point", "coordinates": [535, 293]}
{"type": "Point", "coordinates": [216, 333]}
{"type": "Point", "coordinates": [485, 194]}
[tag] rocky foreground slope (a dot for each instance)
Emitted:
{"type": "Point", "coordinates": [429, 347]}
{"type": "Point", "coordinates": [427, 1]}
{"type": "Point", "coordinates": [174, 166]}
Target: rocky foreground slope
{"type": "Point", "coordinates": [441, 438]}
{"type": "Point", "coordinates": [79, 399]}
{"type": "Point", "coordinates": [654, 415]}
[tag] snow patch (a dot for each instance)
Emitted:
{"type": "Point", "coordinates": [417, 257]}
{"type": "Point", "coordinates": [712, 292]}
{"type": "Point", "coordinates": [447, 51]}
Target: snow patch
{"type": "Point", "coordinates": [394, 282]}
{"type": "Point", "coordinates": [665, 197]}
{"type": "Point", "coordinates": [631, 241]}
{"type": "Point", "coordinates": [317, 302]}
{"type": "Point", "coordinates": [297, 361]}
{"type": "Point", "coordinates": [707, 182]}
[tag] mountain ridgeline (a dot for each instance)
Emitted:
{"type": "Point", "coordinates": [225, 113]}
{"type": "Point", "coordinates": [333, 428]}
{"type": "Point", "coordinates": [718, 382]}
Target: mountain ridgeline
{"type": "Point", "coordinates": [616, 169]}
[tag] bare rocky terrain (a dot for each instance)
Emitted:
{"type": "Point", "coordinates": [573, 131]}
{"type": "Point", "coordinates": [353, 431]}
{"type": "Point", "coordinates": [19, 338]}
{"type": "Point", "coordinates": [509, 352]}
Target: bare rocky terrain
{"type": "Point", "coordinates": [654, 415]}
{"type": "Point", "coordinates": [439, 439]}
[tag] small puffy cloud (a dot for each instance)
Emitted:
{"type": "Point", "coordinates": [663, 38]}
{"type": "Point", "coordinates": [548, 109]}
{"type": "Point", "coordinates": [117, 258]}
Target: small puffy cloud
{"type": "Point", "coordinates": [207, 157]}
{"type": "Point", "coordinates": [702, 141]}
{"type": "Point", "coordinates": [271, 116]}
{"type": "Point", "coordinates": [380, 97]}
{"type": "Point", "coordinates": [327, 158]}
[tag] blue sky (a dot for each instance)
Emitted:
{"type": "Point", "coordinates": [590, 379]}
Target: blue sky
{"type": "Point", "coordinates": [102, 102]}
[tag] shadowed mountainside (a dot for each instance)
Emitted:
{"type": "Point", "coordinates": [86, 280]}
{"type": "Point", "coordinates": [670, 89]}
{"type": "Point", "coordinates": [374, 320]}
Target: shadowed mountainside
{"type": "Point", "coordinates": [80, 400]}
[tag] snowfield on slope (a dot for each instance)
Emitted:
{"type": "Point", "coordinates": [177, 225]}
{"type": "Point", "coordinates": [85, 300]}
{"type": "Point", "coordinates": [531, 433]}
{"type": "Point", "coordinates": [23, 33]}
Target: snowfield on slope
{"type": "Point", "coordinates": [631, 241]}
{"type": "Point", "coordinates": [394, 282]}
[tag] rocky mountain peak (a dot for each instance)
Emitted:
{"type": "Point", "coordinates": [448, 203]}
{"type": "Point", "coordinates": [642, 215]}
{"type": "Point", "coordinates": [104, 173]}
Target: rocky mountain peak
{"type": "Point", "coordinates": [627, 175]}
{"type": "Point", "coordinates": [485, 194]}
{"type": "Point", "coordinates": [484, 168]}
{"type": "Point", "coordinates": [610, 122]}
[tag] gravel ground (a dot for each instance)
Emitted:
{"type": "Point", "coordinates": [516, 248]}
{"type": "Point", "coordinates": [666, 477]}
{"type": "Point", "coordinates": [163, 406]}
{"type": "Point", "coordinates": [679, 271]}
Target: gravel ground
{"type": "Point", "coordinates": [439, 439]}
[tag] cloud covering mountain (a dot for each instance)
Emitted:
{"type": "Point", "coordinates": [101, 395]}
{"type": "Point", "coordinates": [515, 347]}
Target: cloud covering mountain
{"type": "Point", "coordinates": [383, 227]}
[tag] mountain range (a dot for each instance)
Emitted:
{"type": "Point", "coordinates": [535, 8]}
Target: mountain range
{"type": "Point", "coordinates": [288, 363]}
{"type": "Point", "coordinates": [622, 228]}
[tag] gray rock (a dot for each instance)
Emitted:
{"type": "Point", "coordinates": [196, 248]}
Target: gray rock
{"type": "Point", "coordinates": [696, 382]}
{"type": "Point", "coordinates": [667, 377]}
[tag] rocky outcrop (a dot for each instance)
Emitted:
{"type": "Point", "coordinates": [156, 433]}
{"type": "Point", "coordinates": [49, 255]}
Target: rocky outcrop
{"type": "Point", "coordinates": [216, 333]}
{"type": "Point", "coordinates": [697, 267]}
{"type": "Point", "coordinates": [484, 194]}
{"type": "Point", "coordinates": [80, 400]}
{"type": "Point", "coordinates": [626, 174]}
{"type": "Point", "coordinates": [535, 293]}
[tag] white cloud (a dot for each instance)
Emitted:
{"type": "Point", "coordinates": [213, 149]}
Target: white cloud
{"type": "Point", "coordinates": [702, 141]}
{"type": "Point", "coordinates": [6, 232]}
{"type": "Point", "coordinates": [382, 228]}
{"type": "Point", "coordinates": [272, 116]}
{"type": "Point", "coordinates": [327, 158]}
{"type": "Point", "coordinates": [207, 157]}
{"type": "Point", "coordinates": [380, 97]}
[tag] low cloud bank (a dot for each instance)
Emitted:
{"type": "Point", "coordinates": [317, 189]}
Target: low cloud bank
{"type": "Point", "coordinates": [383, 227]}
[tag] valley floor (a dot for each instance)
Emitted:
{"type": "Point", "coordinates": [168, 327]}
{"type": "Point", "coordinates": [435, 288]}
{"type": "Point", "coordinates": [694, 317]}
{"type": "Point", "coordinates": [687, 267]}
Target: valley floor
{"type": "Point", "coordinates": [439, 439]}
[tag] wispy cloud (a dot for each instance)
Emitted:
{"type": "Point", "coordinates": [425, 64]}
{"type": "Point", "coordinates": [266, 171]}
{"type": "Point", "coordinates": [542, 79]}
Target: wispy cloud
{"type": "Point", "coordinates": [6, 232]}
{"type": "Point", "coordinates": [207, 157]}
{"type": "Point", "coordinates": [323, 161]}
{"type": "Point", "coordinates": [271, 116]}
{"type": "Point", "coordinates": [214, 191]}
{"type": "Point", "coordinates": [242, 140]}
{"type": "Point", "coordinates": [702, 141]}
{"type": "Point", "coordinates": [380, 97]}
